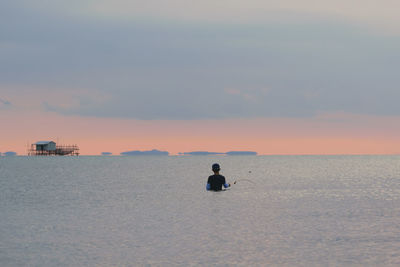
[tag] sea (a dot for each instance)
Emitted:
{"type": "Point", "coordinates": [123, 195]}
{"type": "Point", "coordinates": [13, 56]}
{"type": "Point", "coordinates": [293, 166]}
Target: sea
{"type": "Point", "coordinates": [155, 211]}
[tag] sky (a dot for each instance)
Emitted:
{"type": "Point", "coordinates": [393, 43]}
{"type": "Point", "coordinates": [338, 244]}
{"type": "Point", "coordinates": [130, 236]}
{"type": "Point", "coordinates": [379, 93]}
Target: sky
{"type": "Point", "coordinates": [275, 77]}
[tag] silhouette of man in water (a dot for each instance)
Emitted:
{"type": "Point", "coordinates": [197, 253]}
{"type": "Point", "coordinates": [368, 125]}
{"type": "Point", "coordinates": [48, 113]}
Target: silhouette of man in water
{"type": "Point", "coordinates": [216, 181]}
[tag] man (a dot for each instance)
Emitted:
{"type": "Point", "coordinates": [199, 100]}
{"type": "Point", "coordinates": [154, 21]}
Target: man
{"type": "Point", "coordinates": [216, 181]}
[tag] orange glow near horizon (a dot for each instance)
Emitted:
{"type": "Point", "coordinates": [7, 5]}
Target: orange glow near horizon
{"type": "Point", "coordinates": [323, 135]}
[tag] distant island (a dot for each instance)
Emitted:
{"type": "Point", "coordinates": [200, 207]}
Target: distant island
{"type": "Point", "coordinates": [229, 153]}
{"type": "Point", "coordinates": [202, 153]}
{"type": "Point", "coordinates": [156, 152]}
{"type": "Point", "coordinates": [106, 153]}
{"type": "Point", "coordinates": [153, 152]}
{"type": "Point", "coordinates": [241, 153]}
{"type": "Point", "coordinates": [10, 153]}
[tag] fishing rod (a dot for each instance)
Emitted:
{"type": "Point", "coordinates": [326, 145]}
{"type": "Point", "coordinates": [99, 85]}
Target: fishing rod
{"type": "Point", "coordinates": [243, 180]}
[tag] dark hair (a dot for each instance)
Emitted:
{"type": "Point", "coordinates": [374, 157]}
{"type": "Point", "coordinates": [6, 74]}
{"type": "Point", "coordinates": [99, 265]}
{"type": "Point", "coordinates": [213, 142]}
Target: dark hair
{"type": "Point", "coordinates": [216, 167]}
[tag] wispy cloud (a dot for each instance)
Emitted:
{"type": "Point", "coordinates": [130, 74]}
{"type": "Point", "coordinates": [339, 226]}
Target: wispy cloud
{"type": "Point", "coordinates": [380, 14]}
{"type": "Point", "coordinates": [5, 104]}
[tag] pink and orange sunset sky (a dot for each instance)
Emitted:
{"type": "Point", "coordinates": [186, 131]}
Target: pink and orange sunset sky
{"type": "Point", "coordinates": [275, 77]}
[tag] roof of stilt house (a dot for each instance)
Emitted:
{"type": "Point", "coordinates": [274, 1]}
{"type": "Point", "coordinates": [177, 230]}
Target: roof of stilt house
{"type": "Point", "coordinates": [44, 142]}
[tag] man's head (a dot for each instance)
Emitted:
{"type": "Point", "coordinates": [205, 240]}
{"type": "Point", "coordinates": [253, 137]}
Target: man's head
{"type": "Point", "coordinates": [216, 168]}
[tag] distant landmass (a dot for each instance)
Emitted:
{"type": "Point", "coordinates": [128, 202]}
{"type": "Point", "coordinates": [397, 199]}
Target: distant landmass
{"type": "Point", "coordinates": [202, 153]}
{"type": "Point", "coordinates": [229, 153]}
{"type": "Point", "coordinates": [106, 153]}
{"type": "Point", "coordinates": [10, 153]}
{"type": "Point", "coordinates": [153, 152]}
{"type": "Point", "coordinates": [241, 153]}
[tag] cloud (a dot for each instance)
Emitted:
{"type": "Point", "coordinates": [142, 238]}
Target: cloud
{"type": "Point", "coordinates": [5, 104]}
{"type": "Point", "coordinates": [195, 70]}
{"type": "Point", "coordinates": [381, 14]}
{"type": "Point", "coordinates": [68, 102]}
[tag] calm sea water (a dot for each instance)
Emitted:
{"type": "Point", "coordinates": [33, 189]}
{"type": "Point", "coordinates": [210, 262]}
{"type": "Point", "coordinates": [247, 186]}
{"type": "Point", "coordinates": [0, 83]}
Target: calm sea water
{"type": "Point", "coordinates": [135, 211]}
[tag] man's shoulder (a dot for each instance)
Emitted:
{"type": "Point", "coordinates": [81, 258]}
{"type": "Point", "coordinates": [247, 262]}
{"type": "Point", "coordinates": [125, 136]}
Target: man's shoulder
{"type": "Point", "coordinates": [216, 176]}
